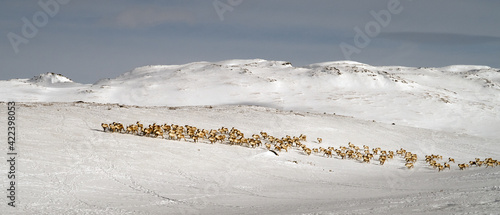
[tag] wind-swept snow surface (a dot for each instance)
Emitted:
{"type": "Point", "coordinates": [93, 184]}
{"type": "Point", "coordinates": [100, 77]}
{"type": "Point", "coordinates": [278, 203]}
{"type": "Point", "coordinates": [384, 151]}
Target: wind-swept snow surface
{"type": "Point", "coordinates": [67, 165]}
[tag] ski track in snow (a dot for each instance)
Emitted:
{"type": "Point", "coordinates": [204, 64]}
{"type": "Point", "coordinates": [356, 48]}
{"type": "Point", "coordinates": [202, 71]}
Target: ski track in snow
{"type": "Point", "coordinates": [69, 166]}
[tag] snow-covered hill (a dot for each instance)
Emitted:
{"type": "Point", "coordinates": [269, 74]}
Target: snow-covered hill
{"type": "Point", "coordinates": [49, 79]}
{"type": "Point", "coordinates": [455, 98]}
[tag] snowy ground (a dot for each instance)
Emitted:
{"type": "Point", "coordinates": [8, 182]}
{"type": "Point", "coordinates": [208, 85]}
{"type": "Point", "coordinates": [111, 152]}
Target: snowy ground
{"type": "Point", "coordinates": [67, 165]}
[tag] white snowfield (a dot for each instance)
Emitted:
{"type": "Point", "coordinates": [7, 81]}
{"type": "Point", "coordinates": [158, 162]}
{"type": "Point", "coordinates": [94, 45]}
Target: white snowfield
{"type": "Point", "coordinates": [68, 165]}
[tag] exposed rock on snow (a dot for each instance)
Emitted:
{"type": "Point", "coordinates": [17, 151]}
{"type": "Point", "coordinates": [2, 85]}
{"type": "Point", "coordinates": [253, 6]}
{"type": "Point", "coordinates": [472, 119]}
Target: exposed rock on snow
{"type": "Point", "coordinates": [49, 78]}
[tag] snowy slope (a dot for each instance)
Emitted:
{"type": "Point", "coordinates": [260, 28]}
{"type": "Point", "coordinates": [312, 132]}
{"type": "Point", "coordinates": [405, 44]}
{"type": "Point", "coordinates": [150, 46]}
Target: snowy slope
{"type": "Point", "coordinates": [457, 98]}
{"type": "Point", "coordinates": [67, 165]}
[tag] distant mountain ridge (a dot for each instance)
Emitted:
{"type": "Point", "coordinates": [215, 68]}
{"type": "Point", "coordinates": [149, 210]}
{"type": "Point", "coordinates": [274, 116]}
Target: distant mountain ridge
{"type": "Point", "coordinates": [460, 98]}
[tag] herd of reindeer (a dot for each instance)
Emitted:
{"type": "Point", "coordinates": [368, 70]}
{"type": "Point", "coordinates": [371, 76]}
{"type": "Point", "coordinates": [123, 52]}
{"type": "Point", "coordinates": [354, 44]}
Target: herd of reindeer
{"type": "Point", "coordinates": [236, 137]}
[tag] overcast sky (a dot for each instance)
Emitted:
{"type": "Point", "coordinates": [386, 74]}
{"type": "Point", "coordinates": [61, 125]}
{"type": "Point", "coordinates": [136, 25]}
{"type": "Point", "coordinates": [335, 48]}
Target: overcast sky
{"type": "Point", "coordinates": [90, 40]}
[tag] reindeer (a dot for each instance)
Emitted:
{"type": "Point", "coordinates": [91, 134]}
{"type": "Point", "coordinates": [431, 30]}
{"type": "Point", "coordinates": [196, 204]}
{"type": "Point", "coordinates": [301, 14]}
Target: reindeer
{"type": "Point", "coordinates": [105, 127]}
{"type": "Point", "coordinates": [141, 126]}
{"type": "Point", "coordinates": [307, 151]}
{"type": "Point", "coordinates": [479, 163]}
{"type": "Point", "coordinates": [181, 136]}
{"type": "Point", "coordinates": [343, 155]}
{"type": "Point", "coordinates": [264, 135]}
{"type": "Point", "coordinates": [220, 137]}
{"type": "Point", "coordinates": [366, 159]}
{"type": "Point", "coordinates": [147, 132]}
{"type": "Point", "coordinates": [159, 133]}
{"type": "Point", "coordinates": [350, 145]}
{"type": "Point", "coordinates": [212, 139]}
{"type": "Point", "coordinates": [447, 166]}
{"type": "Point", "coordinates": [382, 159]}
{"type": "Point", "coordinates": [172, 135]}
{"type": "Point", "coordinates": [472, 163]}
{"type": "Point", "coordinates": [303, 137]}
{"type": "Point", "coordinates": [328, 153]}
{"type": "Point", "coordinates": [440, 167]}
{"type": "Point", "coordinates": [409, 165]}
{"type": "Point", "coordinates": [490, 164]}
